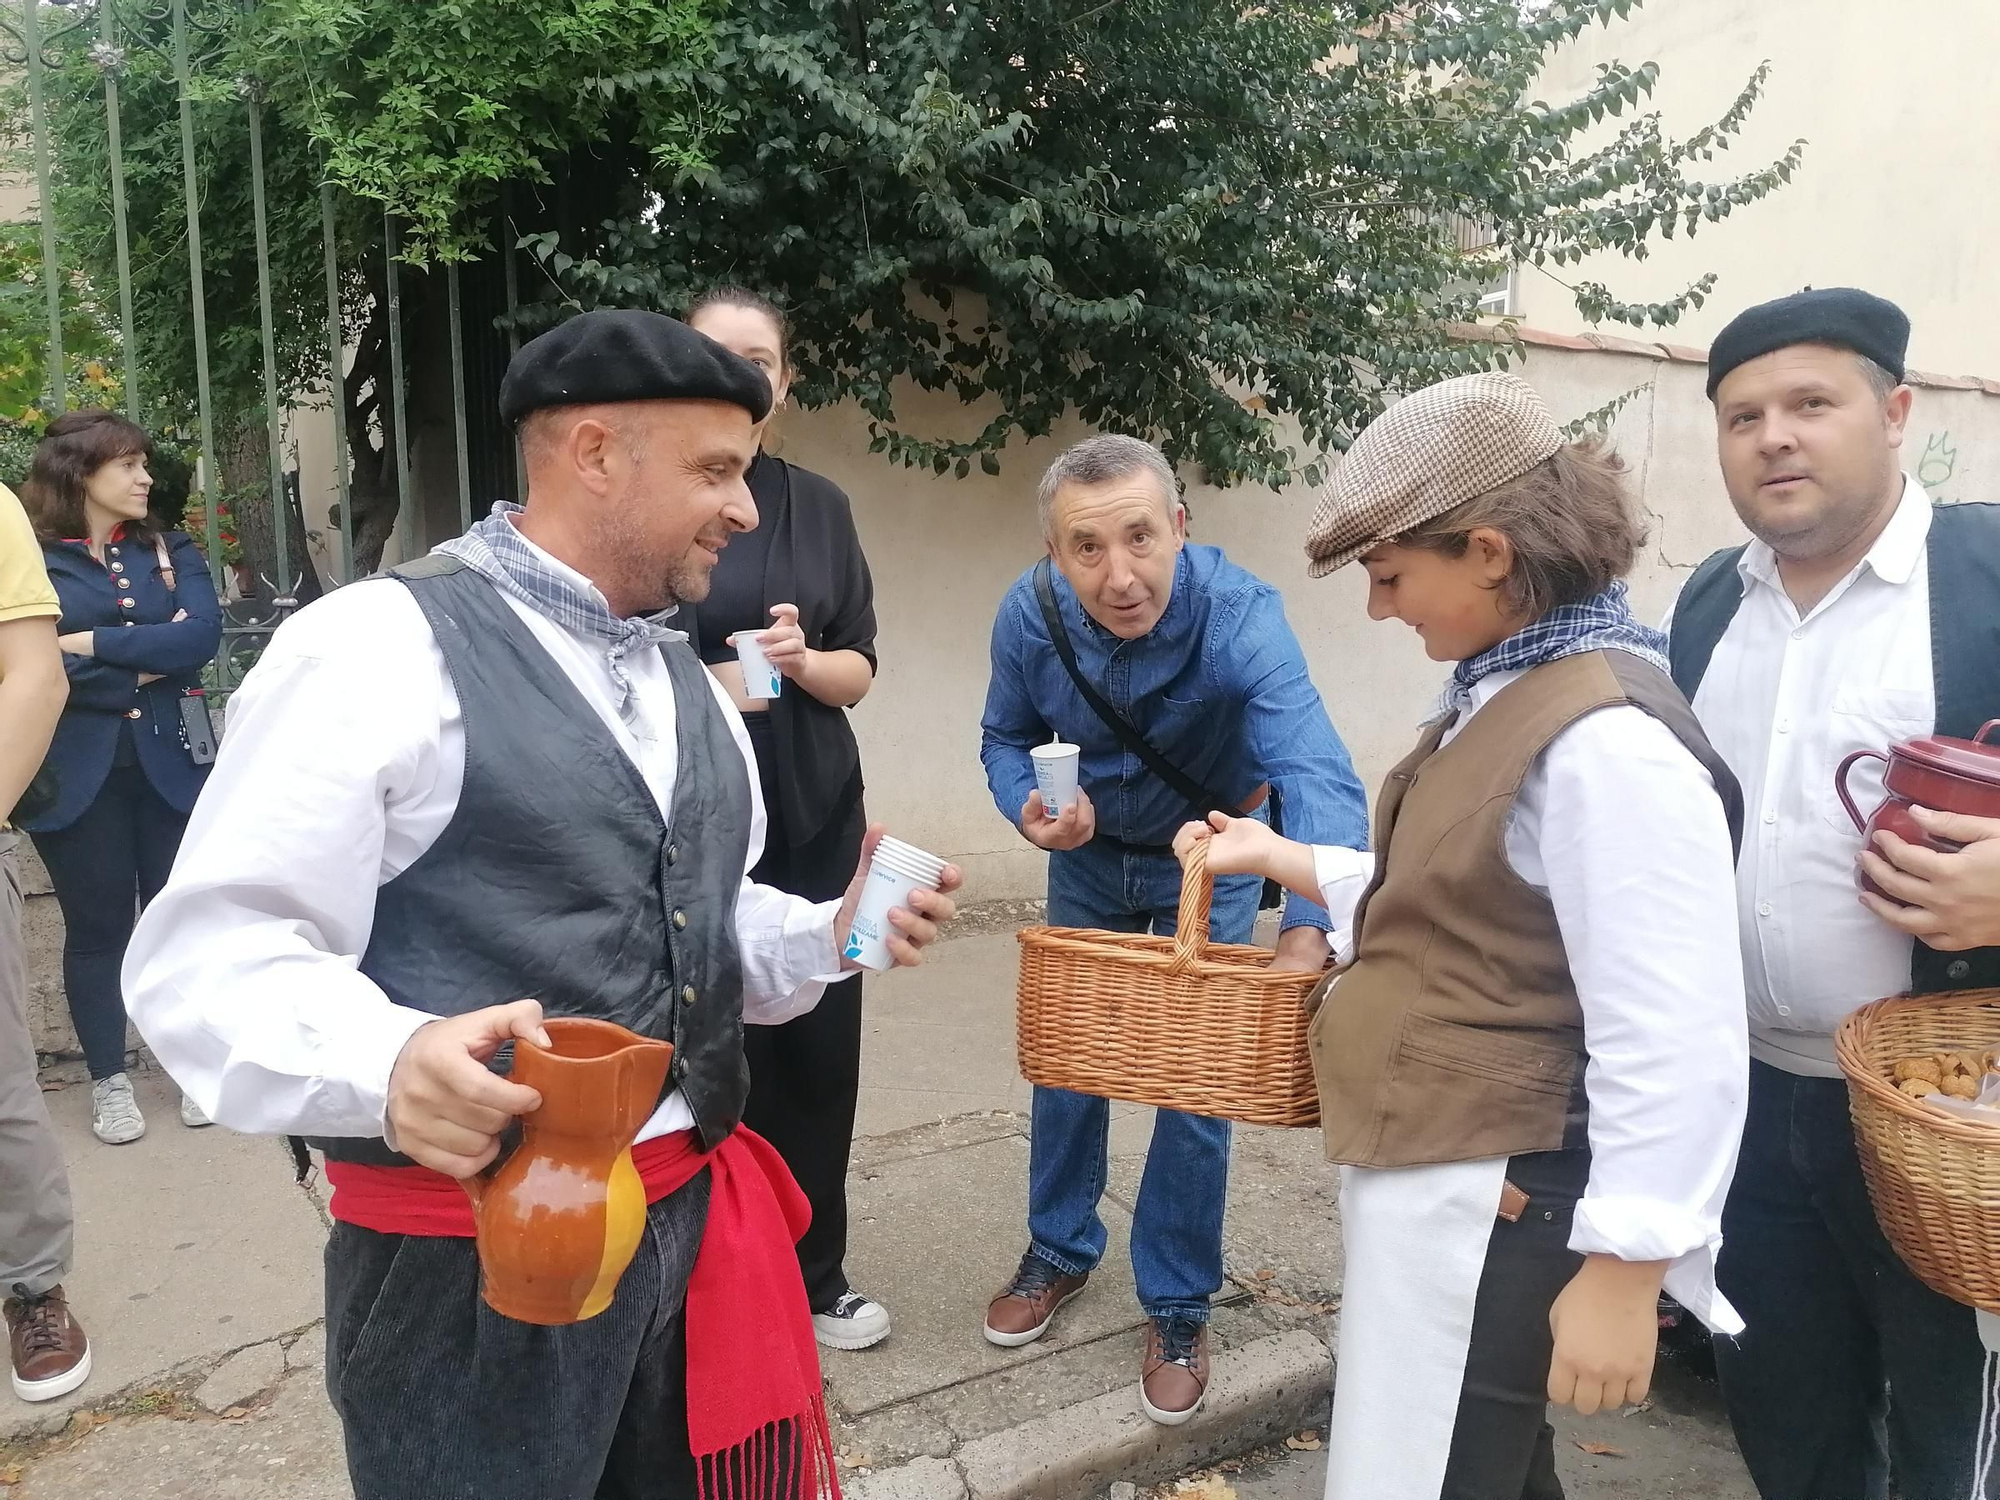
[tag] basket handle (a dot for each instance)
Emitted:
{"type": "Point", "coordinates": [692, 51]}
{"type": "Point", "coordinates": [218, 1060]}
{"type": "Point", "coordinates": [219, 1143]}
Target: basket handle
{"type": "Point", "coordinates": [1191, 928]}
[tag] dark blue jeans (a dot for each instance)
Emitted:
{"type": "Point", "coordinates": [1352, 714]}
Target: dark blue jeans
{"type": "Point", "coordinates": [1177, 1222]}
{"type": "Point", "coordinates": [1849, 1370]}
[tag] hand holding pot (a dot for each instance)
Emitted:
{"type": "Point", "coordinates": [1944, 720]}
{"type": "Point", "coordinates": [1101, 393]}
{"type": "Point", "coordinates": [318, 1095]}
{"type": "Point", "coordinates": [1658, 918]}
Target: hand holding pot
{"type": "Point", "coordinates": [446, 1111]}
{"type": "Point", "coordinates": [1950, 900]}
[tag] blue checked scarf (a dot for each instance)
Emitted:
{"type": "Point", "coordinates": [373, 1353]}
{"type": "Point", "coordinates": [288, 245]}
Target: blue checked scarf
{"type": "Point", "coordinates": [1602, 622]}
{"type": "Point", "coordinates": [495, 550]}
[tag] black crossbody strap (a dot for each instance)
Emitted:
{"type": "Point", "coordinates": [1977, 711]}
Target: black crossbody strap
{"type": "Point", "coordinates": [1197, 795]}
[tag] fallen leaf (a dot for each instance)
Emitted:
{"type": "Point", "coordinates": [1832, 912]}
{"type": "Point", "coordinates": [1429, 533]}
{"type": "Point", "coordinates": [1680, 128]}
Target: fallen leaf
{"type": "Point", "coordinates": [11, 1474]}
{"type": "Point", "coordinates": [1267, 1275]}
{"type": "Point", "coordinates": [1602, 1450]}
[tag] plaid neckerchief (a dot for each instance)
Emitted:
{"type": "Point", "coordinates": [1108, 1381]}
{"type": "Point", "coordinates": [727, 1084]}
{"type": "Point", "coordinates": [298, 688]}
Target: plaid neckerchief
{"type": "Point", "coordinates": [497, 551]}
{"type": "Point", "coordinates": [1602, 622]}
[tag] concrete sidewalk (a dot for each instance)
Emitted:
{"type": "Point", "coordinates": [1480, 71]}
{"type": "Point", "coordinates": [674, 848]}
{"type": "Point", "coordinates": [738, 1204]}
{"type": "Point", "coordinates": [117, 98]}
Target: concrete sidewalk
{"type": "Point", "coordinates": [199, 1279]}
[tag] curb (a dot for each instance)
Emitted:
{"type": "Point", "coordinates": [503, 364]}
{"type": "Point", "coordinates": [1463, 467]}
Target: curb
{"type": "Point", "coordinates": [1264, 1390]}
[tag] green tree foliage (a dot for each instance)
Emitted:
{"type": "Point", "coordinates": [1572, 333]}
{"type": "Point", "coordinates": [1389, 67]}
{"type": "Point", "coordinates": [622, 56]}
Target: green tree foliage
{"type": "Point", "coordinates": [422, 110]}
{"type": "Point", "coordinates": [1181, 218]}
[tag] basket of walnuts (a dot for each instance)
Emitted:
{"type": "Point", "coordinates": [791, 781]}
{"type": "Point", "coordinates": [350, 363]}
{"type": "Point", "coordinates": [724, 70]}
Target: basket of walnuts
{"type": "Point", "coordinates": [1916, 1068]}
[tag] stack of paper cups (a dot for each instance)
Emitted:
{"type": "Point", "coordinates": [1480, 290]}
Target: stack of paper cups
{"type": "Point", "coordinates": [896, 870]}
{"type": "Point", "coordinates": [760, 678]}
{"type": "Point", "coordinates": [1055, 777]}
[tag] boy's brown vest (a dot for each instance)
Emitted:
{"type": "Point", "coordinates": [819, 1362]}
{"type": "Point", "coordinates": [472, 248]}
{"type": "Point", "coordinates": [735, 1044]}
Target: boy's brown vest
{"type": "Point", "coordinates": [1457, 1033]}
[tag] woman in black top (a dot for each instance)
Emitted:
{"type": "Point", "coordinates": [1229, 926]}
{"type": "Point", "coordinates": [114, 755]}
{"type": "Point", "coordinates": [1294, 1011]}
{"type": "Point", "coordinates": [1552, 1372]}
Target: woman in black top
{"type": "Point", "coordinates": [800, 582]}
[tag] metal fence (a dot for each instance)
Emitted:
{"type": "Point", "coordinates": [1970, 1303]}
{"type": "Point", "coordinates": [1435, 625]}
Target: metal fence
{"type": "Point", "coordinates": [40, 35]}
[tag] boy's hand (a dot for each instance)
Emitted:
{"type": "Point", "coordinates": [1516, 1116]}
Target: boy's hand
{"type": "Point", "coordinates": [1236, 846]}
{"type": "Point", "coordinates": [1607, 1328]}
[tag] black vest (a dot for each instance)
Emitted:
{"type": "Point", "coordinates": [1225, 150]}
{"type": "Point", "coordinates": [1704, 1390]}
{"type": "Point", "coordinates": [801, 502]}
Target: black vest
{"type": "Point", "coordinates": [556, 878]}
{"type": "Point", "coordinates": [1964, 560]}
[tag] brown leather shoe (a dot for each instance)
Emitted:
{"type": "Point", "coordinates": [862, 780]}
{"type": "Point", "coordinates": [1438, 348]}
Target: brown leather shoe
{"type": "Point", "coordinates": [1023, 1312]}
{"type": "Point", "coordinates": [1174, 1377]}
{"type": "Point", "coordinates": [51, 1354]}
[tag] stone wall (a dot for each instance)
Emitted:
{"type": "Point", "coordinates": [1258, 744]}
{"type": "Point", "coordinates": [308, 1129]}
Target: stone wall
{"type": "Point", "coordinates": [944, 550]}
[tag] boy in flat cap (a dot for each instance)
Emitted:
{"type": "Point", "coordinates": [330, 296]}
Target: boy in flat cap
{"type": "Point", "coordinates": [1859, 616]}
{"type": "Point", "coordinates": [1532, 1067]}
{"type": "Point", "coordinates": [494, 787]}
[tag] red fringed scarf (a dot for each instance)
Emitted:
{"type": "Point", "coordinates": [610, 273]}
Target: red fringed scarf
{"type": "Point", "coordinates": [756, 1409]}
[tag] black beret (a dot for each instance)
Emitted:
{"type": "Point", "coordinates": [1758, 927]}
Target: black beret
{"type": "Point", "coordinates": [1839, 315]}
{"type": "Point", "coordinates": [626, 354]}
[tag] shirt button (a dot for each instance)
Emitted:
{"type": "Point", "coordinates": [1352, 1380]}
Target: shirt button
{"type": "Point", "coordinates": [687, 995]}
{"type": "Point", "coordinates": [1770, 817]}
{"type": "Point", "coordinates": [1784, 1010]}
{"type": "Point", "coordinates": [1763, 908]}
{"type": "Point", "coordinates": [1798, 635]}
{"type": "Point", "coordinates": [680, 921]}
{"type": "Point", "coordinates": [1957, 970]}
{"type": "Point", "coordinates": [1784, 726]}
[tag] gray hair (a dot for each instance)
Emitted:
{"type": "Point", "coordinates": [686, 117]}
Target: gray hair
{"type": "Point", "coordinates": [1100, 459]}
{"type": "Point", "coordinates": [1880, 381]}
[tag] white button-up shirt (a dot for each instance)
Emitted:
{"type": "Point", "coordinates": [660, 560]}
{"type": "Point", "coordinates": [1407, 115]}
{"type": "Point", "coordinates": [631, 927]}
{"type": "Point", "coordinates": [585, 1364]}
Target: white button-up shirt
{"type": "Point", "coordinates": [1785, 699]}
{"type": "Point", "coordinates": [342, 765]}
{"type": "Point", "coordinates": [1620, 828]}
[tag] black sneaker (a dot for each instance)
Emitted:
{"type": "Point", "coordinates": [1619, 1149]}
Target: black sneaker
{"type": "Point", "coordinates": [853, 1322]}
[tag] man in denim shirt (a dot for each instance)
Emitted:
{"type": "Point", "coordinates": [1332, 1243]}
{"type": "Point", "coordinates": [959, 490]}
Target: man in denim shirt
{"type": "Point", "coordinates": [1197, 656]}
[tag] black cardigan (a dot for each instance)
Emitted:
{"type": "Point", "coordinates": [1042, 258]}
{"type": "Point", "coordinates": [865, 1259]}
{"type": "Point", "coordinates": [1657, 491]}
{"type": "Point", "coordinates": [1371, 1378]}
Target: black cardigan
{"type": "Point", "coordinates": [815, 561]}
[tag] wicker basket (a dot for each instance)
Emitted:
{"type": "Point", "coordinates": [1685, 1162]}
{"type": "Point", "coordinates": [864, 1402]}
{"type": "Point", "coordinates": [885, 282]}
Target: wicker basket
{"type": "Point", "coordinates": [1934, 1176]}
{"type": "Point", "coordinates": [1208, 1029]}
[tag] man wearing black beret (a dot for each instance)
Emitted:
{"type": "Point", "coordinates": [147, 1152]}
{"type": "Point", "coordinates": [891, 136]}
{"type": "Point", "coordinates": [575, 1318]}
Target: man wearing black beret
{"type": "Point", "coordinates": [497, 787]}
{"type": "Point", "coordinates": [1860, 615]}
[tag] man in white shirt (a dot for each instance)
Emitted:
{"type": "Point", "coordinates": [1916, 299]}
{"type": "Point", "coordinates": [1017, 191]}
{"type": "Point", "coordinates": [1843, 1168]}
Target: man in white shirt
{"type": "Point", "coordinates": [1815, 640]}
{"type": "Point", "coordinates": [503, 774]}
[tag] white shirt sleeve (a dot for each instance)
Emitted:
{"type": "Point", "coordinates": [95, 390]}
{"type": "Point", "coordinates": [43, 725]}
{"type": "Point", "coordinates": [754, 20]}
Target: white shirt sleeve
{"type": "Point", "coordinates": [1622, 827]}
{"type": "Point", "coordinates": [789, 955]}
{"type": "Point", "coordinates": [243, 973]}
{"type": "Point", "coordinates": [1342, 875]}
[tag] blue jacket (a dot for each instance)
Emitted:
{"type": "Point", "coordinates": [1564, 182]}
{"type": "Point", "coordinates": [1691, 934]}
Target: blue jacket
{"type": "Point", "coordinates": [1219, 687]}
{"type": "Point", "coordinates": [124, 604]}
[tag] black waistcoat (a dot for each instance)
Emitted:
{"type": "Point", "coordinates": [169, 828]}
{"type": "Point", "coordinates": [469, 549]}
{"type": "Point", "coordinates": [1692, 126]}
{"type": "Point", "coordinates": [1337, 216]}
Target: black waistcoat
{"type": "Point", "coordinates": [1963, 555]}
{"type": "Point", "coordinates": [557, 879]}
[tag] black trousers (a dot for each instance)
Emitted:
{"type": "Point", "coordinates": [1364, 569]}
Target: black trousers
{"type": "Point", "coordinates": [441, 1398]}
{"type": "Point", "coordinates": [1502, 1446]}
{"type": "Point", "coordinates": [1850, 1370]}
{"type": "Point", "coordinates": [806, 1074]}
{"type": "Point", "coordinates": [106, 866]}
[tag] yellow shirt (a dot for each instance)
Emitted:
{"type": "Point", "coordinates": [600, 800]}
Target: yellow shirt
{"type": "Point", "coordinates": [25, 590]}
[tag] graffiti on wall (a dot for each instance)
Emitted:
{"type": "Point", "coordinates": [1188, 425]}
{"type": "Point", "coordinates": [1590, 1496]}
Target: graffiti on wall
{"type": "Point", "coordinates": [1940, 472]}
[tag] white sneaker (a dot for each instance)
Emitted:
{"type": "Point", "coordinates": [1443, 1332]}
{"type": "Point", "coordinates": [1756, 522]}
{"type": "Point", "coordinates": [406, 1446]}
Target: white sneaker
{"type": "Point", "coordinates": [853, 1323]}
{"type": "Point", "coordinates": [114, 1113]}
{"type": "Point", "coordinates": [191, 1115]}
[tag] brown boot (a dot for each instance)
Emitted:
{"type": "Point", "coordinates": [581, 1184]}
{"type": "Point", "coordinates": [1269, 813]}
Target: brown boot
{"type": "Point", "coordinates": [51, 1354]}
{"type": "Point", "coordinates": [1174, 1377]}
{"type": "Point", "coordinates": [1023, 1312]}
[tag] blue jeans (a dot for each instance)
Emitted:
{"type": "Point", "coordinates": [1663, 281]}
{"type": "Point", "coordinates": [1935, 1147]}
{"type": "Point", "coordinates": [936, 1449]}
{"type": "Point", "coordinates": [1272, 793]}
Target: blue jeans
{"type": "Point", "coordinates": [1177, 1223]}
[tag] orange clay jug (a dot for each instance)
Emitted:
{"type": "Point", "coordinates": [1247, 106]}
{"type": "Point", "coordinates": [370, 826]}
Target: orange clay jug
{"type": "Point", "coordinates": [560, 1219]}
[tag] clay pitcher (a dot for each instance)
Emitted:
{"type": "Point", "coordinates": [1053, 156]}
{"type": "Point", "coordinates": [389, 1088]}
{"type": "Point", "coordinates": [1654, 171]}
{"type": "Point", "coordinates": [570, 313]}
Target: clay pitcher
{"type": "Point", "coordinates": [560, 1219]}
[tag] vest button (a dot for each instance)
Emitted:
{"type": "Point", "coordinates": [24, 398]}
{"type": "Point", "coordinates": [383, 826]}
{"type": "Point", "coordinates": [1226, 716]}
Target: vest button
{"type": "Point", "coordinates": [687, 995]}
{"type": "Point", "coordinates": [1957, 969]}
{"type": "Point", "coordinates": [680, 921]}
{"type": "Point", "coordinates": [673, 854]}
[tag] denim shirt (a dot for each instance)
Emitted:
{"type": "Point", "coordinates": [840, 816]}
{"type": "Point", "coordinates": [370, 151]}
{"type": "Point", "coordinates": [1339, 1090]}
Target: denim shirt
{"type": "Point", "coordinates": [1218, 687]}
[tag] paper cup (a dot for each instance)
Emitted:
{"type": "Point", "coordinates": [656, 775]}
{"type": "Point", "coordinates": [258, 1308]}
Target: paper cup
{"type": "Point", "coordinates": [760, 678]}
{"type": "Point", "coordinates": [1055, 777]}
{"type": "Point", "coordinates": [896, 870]}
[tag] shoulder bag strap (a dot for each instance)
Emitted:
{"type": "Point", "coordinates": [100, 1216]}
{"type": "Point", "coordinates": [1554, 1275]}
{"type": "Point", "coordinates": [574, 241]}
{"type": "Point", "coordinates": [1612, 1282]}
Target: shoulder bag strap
{"type": "Point", "coordinates": [167, 575]}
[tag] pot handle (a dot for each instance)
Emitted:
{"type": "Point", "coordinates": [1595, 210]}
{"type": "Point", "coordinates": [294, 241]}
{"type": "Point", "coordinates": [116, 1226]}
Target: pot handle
{"type": "Point", "coordinates": [1984, 730]}
{"type": "Point", "coordinates": [1840, 784]}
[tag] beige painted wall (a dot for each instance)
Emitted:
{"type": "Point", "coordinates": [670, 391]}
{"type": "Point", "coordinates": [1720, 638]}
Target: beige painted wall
{"type": "Point", "coordinates": [1896, 193]}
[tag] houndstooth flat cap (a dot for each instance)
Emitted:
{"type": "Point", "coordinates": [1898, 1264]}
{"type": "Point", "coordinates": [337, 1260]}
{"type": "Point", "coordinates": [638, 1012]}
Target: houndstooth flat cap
{"type": "Point", "coordinates": [1435, 449]}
